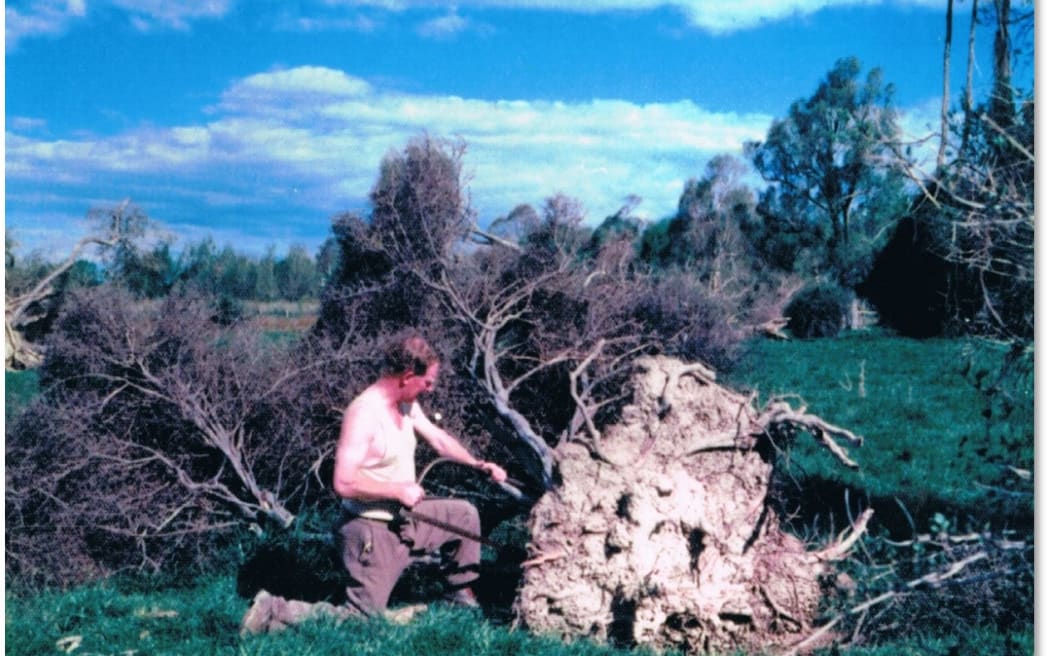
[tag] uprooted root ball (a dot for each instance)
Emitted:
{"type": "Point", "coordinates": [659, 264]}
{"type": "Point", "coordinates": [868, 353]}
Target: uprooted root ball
{"type": "Point", "coordinates": [661, 533]}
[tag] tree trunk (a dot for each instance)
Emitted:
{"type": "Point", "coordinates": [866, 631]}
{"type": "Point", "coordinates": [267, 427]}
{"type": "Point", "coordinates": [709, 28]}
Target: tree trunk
{"type": "Point", "coordinates": [967, 102]}
{"type": "Point", "coordinates": [947, 92]}
{"type": "Point", "coordinates": [18, 353]}
{"type": "Point", "coordinates": [1002, 103]}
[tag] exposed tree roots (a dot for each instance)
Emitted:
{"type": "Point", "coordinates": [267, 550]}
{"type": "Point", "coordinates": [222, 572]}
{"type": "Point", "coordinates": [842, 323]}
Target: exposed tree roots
{"type": "Point", "coordinates": [667, 538]}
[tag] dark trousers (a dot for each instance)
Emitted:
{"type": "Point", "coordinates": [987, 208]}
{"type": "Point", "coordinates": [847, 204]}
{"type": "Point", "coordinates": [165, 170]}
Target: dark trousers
{"type": "Point", "coordinates": [376, 553]}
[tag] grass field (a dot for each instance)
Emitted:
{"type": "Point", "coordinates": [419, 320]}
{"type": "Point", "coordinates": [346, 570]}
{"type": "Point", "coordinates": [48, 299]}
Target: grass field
{"type": "Point", "coordinates": [19, 389]}
{"type": "Point", "coordinates": [205, 618]}
{"type": "Point", "coordinates": [929, 443]}
{"type": "Point", "coordinates": [934, 438]}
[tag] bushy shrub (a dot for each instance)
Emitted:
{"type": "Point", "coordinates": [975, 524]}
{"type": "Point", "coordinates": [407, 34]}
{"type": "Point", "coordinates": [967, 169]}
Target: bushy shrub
{"type": "Point", "coordinates": [159, 433]}
{"type": "Point", "coordinates": [818, 311]}
{"type": "Point", "coordinates": [695, 324]}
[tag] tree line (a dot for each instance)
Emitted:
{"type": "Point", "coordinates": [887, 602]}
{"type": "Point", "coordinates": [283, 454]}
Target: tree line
{"type": "Point", "coordinates": [157, 271]}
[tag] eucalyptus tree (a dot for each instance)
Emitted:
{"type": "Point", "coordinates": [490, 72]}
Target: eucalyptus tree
{"type": "Point", "coordinates": [831, 167]}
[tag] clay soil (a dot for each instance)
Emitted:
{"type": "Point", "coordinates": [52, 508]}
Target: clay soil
{"type": "Point", "coordinates": [663, 534]}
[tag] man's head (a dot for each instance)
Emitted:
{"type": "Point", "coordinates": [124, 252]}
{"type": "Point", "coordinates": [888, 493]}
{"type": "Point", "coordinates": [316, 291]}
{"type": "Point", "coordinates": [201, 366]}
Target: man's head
{"type": "Point", "coordinates": [410, 359]}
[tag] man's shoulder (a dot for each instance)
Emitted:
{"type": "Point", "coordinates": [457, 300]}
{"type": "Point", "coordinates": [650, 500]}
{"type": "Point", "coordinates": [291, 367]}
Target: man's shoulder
{"type": "Point", "coordinates": [368, 398]}
{"type": "Point", "coordinates": [364, 408]}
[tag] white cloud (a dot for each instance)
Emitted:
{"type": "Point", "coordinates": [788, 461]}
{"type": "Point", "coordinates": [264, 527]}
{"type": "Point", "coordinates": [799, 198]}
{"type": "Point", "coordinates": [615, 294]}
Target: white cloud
{"type": "Point", "coordinates": [362, 24]}
{"type": "Point", "coordinates": [27, 123]}
{"type": "Point", "coordinates": [710, 15]}
{"type": "Point", "coordinates": [323, 132]}
{"type": "Point", "coordinates": [312, 138]}
{"type": "Point", "coordinates": [42, 18]}
{"type": "Point", "coordinates": [147, 15]}
{"type": "Point", "coordinates": [55, 17]}
{"type": "Point", "coordinates": [292, 90]}
{"type": "Point", "coordinates": [444, 27]}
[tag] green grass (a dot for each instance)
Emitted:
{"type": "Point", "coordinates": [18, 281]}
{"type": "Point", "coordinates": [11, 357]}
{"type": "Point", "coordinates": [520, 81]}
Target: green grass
{"type": "Point", "coordinates": [926, 440]}
{"type": "Point", "coordinates": [205, 619]}
{"type": "Point", "coordinates": [19, 389]}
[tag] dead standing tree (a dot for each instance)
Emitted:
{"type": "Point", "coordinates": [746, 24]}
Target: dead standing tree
{"type": "Point", "coordinates": [532, 314]}
{"type": "Point", "coordinates": [540, 319]}
{"type": "Point", "coordinates": [112, 228]}
{"type": "Point", "coordinates": [979, 204]}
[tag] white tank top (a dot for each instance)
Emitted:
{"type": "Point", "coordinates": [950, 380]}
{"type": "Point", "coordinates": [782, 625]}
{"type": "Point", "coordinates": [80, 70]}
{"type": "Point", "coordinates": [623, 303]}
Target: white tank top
{"type": "Point", "coordinates": [398, 463]}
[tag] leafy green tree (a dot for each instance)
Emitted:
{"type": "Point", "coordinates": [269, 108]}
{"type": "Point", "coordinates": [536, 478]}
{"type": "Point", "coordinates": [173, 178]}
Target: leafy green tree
{"type": "Point", "coordinates": [328, 261]}
{"type": "Point", "coordinates": [297, 275]}
{"type": "Point", "coordinates": [831, 164]}
{"type": "Point", "coordinates": [706, 228]}
{"type": "Point", "coordinates": [621, 226]}
{"type": "Point", "coordinates": [21, 273]}
{"type": "Point", "coordinates": [786, 236]}
{"type": "Point", "coordinates": [84, 273]}
{"type": "Point", "coordinates": [266, 288]}
{"type": "Point", "coordinates": [148, 274]}
{"type": "Point", "coordinates": [711, 235]}
{"type": "Point", "coordinates": [236, 274]}
{"type": "Point", "coordinates": [199, 266]}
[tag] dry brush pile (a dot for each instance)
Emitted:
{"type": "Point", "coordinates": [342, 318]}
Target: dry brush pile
{"type": "Point", "coordinates": [662, 532]}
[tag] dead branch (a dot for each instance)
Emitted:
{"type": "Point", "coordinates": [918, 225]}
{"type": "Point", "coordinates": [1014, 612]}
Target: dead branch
{"type": "Point", "coordinates": [933, 579]}
{"type": "Point", "coordinates": [581, 407]}
{"type": "Point", "coordinates": [489, 238]}
{"type": "Point", "coordinates": [117, 225]}
{"type": "Point", "coordinates": [701, 372]}
{"type": "Point", "coordinates": [841, 548]}
{"type": "Point", "coordinates": [774, 328]}
{"type": "Point", "coordinates": [779, 413]}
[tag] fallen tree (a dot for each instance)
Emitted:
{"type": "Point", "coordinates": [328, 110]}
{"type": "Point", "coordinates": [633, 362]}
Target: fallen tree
{"type": "Point", "coordinates": [662, 531]}
{"type": "Point", "coordinates": [159, 434]}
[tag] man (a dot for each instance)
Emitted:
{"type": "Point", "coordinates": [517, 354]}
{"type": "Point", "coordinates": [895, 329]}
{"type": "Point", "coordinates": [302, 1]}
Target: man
{"type": "Point", "coordinates": [375, 475]}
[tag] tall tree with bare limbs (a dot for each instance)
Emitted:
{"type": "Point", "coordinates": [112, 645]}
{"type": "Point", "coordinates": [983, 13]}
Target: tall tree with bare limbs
{"type": "Point", "coordinates": [946, 92]}
{"type": "Point", "coordinates": [111, 228]}
{"type": "Point", "coordinates": [972, 226]}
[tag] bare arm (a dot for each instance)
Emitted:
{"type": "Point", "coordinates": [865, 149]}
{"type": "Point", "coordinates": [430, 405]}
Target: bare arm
{"type": "Point", "coordinates": [448, 446]}
{"type": "Point", "coordinates": [354, 450]}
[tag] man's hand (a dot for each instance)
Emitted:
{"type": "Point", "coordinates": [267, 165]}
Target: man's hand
{"type": "Point", "coordinates": [497, 473]}
{"type": "Point", "coordinates": [410, 494]}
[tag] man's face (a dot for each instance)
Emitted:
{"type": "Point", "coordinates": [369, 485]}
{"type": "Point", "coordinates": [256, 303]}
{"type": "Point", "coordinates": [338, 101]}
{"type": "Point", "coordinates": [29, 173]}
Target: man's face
{"type": "Point", "coordinates": [418, 384]}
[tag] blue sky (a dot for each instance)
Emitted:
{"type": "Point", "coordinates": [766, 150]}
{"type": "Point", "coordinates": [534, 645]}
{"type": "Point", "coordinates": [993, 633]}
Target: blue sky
{"type": "Point", "coordinates": [256, 122]}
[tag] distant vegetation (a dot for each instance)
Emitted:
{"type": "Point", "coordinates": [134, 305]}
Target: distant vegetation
{"type": "Point", "coordinates": [204, 267]}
